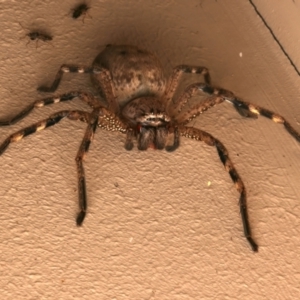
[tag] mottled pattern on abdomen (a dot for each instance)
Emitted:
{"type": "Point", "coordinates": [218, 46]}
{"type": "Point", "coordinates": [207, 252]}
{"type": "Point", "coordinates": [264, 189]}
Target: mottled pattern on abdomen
{"type": "Point", "coordinates": [135, 73]}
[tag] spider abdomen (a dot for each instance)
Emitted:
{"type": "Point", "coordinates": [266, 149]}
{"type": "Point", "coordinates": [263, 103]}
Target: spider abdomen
{"type": "Point", "coordinates": [135, 73]}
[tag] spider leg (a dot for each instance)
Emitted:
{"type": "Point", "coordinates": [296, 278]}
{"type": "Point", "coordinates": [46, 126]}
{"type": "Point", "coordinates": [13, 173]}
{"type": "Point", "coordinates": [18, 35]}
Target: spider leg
{"type": "Point", "coordinates": [217, 97]}
{"type": "Point", "coordinates": [47, 101]}
{"type": "Point", "coordinates": [50, 121]}
{"type": "Point", "coordinates": [105, 120]}
{"type": "Point", "coordinates": [203, 136]}
{"type": "Point", "coordinates": [258, 110]}
{"type": "Point", "coordinates": [176, 75]}
{"type": "Point", "coordinates": [245, 109]}
{"type": "Point", "coordinates": [69, 69]}
{"type": "Point", "coordinates": [107, 89]}
{"type": "Point", "coordinates": [41, 125]}
{"type": "Point", "coordinates": [103, 75]}
{"type": "Point", "coordinates": [83, 149]}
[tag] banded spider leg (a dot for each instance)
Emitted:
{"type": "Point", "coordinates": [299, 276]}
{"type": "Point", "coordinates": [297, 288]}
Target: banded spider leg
{"type": "Point", "coordinates": [245, 109]}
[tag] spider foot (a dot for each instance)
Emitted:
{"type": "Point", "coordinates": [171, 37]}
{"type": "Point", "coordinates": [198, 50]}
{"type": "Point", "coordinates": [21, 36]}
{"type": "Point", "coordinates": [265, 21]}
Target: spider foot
{"type": "Point", "coordinates": [80, 218]}
{"type": "Point", "coordinates": [253, 245]}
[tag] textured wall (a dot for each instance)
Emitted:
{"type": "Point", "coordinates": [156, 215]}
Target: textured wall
{"type": "Point", "coordinates": [154, 229]}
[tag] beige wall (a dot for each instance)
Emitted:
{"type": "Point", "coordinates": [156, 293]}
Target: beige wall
{"type": "Point", "coordinates": [154, 229]}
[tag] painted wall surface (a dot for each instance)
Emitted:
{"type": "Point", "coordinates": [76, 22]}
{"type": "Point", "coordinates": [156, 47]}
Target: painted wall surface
{"type": "Point", "coordinates": [156, 228]}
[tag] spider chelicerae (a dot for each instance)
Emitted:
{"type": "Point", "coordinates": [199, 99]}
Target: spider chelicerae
{"type": "Point", "coordinates": [140, 104]}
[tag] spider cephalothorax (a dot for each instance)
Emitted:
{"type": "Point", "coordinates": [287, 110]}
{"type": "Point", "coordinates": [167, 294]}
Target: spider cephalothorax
{"type": "Point", "coordinates": [148, 119]}
{"type": "Point", "coordinates": [141, 104]}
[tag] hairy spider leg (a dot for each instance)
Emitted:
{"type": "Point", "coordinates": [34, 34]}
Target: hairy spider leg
{"type": "Point", "coordinates": [47, 101]}
{"type": "Point", "coordinates": [245, 109]}
{"type": "Point", "coordinates": [178, 71]}
{"type": "Point", "coordinates": [217, 97]}
{"type": "Point", "coordinates": [68, 69]}
{"type": "Point", "coordinates": [107, 89]}
{"type": "Point", "coordinates": [105, 120]}
{"type": "Point", "coordinates": [41, 125]}
{"type": "Point", "coordinates": [258, 110]}
{"type": "Point", "coordinates": [172, 85]}
{"type": "Point", "coordinates": [203, 136]}
{"type": "Point", "coordinates": [50, 121]}
{"type": "Point", "coordinates": [103, 73]}
{"type": "Point", "coordinates": [83, 149]}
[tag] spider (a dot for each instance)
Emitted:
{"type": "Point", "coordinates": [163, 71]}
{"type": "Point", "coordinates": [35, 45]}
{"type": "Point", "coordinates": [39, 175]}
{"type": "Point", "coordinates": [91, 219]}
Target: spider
{"type": "Point", "coordinates": [140, 104]}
